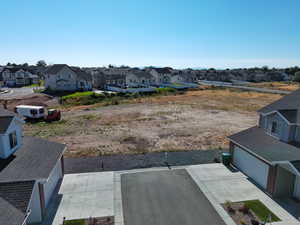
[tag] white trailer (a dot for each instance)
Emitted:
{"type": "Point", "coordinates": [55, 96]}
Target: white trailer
{"type": "Point", "coordinates": [30, 111]}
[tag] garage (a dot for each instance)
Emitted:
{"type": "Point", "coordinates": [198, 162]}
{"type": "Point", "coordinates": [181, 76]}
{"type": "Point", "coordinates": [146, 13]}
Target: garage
{"type": "Point", "coordinates": [251, 166]}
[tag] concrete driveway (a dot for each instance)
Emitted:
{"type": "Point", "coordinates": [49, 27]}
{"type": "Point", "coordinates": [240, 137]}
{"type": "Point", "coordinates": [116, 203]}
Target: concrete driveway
{"type": "Point", "coordinates": [82, 196]}
{"type": "Point", "coordinates": [220, 184]}
{"type": "Point", "coordinates": [165, 198]}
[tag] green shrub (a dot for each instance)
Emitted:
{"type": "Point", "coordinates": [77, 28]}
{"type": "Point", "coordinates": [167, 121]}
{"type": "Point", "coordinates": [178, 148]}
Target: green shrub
{"type": "Point", "coordinates": [78, 94]}
{"type": "Point", "coordinates": [74, 222]}
{"type": "Point", "coordinates": [165, 90]}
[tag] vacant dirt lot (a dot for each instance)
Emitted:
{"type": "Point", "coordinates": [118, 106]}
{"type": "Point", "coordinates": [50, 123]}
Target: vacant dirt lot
{"type": "Point", "coordinates": [196, 120]}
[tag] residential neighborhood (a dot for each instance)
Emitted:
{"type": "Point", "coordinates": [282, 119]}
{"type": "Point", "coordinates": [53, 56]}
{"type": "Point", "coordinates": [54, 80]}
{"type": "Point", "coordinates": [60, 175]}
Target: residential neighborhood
{"type": "Point", "coordinates": [17, 77]}
{"type": "Point", "coordinates": [40, 185]}
{"type": "Point", "coordinates": [153, 112]}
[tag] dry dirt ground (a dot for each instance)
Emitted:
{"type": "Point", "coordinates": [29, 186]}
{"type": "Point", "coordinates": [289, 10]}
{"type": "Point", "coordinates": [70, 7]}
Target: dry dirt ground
{"type": "Point", "coordinates": [196, 120]}
{"type": "Point", "coordinates": [32, 99]}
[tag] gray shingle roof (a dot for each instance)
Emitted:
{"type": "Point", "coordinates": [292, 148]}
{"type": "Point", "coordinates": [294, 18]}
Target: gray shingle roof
{"type": "Point", "coordinates": [5, 121]}
{"type": "Point", "coordinates": [9, 214]}
{"type": "Point", "coordinates": [288, 102]}
{"type": "Point", "coordinates": [290, 115]}
{"type": "Point", "coordinates": [82, 74]}
{"type": "Point", "coordinates": [164, 70]}
{"type": "Point", "coordinates": [14, 201]}
{"type": "Point", "coordinates": [34, 160]}
{"type": "Point", "coordinates": [5, 113]}
{"type": "Point", "coordinates": [267, 147]}
{"type": "Point", "coordinates": [58, 67]}
{"type": "Point", "coordinates": [54, 69]}
{"type": "Point", "coordinates": [18, 194]}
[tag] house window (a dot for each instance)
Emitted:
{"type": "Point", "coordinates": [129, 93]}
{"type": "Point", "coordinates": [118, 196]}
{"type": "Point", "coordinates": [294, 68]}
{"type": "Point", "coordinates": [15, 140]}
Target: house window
{"type": "Point", "coordinates": [13, 139]}
{"type": "Point", "coordinates": [81, 83]}
{"type": "Point", "coordinates": [274, 128]}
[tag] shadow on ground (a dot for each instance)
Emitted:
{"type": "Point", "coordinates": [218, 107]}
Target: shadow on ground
{"type": "Point", "coordinates": [148, 160]}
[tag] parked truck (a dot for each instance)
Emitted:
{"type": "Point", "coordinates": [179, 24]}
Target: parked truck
{"type": "Point", "coordinates": [31, 112]}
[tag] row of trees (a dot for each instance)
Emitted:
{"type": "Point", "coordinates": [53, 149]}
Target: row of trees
{"type": "Point", "coordinates": [41, 63]}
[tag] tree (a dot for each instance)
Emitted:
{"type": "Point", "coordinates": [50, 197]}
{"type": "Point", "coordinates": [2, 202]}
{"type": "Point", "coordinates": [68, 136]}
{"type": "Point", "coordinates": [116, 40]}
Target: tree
{"type": "Point", "coordinates": [265, 68]}
{"type": "Point", "coordinates": [297, 76]}
{"type": "Point", "coordinates": [41, 63]}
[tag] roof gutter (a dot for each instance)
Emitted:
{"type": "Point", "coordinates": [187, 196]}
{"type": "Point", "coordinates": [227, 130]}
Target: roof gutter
{"type": "Point", "coordinates": [289, 164]}
{"type": "Point", "coordinates": [26, 217]}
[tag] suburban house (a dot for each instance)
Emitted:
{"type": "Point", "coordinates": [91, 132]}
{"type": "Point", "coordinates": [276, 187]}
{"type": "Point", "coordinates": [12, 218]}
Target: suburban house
{"type": "Point", "coordinates": [1, 79]}
{"type": "Point", "coordinates": [183, 77]}
{"type": "Point", "coordinates": [270, 152]}
{"type": "Point", "coordinates": [116, 80]}
{"type": "Point", "coordinates": [161, 75]}
{"type": "Point", "coordinates": [30, 170]}
{"type": "Point", "coordinates": [98, 80]}
{"type": "Point", "coordinates": [61, 77]}
{"type": "Point", "coordinates": [18, 77]}
{"type": "Point", "coordinates": [139, 78]}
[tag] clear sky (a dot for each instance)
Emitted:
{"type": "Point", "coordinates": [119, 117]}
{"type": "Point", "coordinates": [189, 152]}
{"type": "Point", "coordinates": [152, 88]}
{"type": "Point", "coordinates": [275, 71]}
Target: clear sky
{"type": "Point", "coordinates": [177, 33]}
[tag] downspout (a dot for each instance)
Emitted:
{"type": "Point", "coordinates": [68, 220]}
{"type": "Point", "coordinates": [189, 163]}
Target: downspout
{"type": "Point", "coordinates": [26, 217]}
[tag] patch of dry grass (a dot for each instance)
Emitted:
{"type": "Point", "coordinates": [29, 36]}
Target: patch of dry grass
{"type": "Point", "coordinates": [283, 86]}
{"type": "Point", "coordinates": [220, 99]}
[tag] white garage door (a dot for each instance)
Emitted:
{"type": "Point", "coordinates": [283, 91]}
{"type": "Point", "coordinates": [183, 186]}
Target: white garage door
{"type": "Point", "coordinates": [49, 187]}
{"type": "Point", "coordinates": [251, 166]}
{"type": "Point", "coordinates": [297, 188]}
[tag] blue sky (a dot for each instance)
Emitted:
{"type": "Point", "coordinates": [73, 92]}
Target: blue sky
{"type": "Point", "coordinates": [177, 33]}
